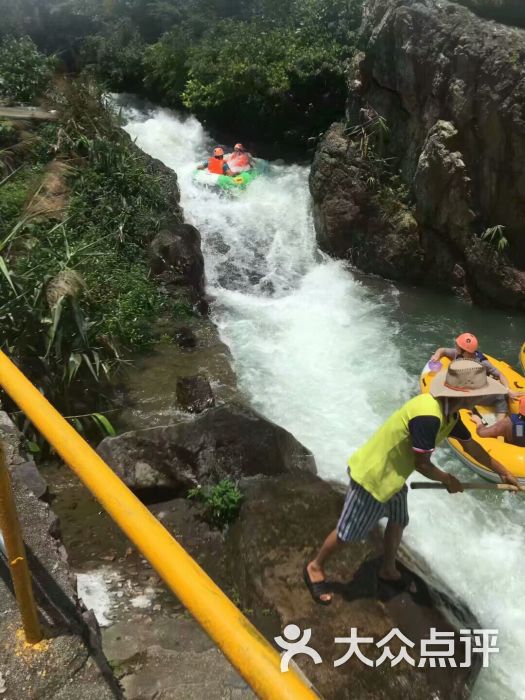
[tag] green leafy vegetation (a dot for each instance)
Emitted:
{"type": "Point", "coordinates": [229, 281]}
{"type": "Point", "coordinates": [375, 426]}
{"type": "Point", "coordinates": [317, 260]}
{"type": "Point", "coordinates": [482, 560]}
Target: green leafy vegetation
{"type": "Point", "coordinates": [278, 66]}
{"type": "Point", "coordinates": [75, 288]}
{"type": "Point", "coordinates": [222, 502]}
{"type": "Point", "coordinates": [282, 68]}
{"type": "Point", "coordinates": [495, 237]}
{"type": "Point", "coordinates": [24, 71]}
{"type": "Point", "coordinates": [116, 55]}
{"type": "Point", "coordinates": [391, 195]}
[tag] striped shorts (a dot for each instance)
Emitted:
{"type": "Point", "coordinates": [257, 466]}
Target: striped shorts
{"type": "Point", "coordinates": [362, 512]}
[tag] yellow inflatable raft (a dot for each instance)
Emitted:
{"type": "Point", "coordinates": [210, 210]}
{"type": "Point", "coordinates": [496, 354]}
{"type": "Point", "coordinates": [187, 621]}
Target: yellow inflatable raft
{"type": "Point", "coordinates": [522, 357]}
{"type": "Point", "coordinates": [511, 456]}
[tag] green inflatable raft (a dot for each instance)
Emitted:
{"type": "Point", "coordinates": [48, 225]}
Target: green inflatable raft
{"type": "Point", "coordinates": [229, 184]}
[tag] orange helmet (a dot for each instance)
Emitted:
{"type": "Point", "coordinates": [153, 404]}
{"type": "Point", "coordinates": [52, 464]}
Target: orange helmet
{"type": "Point", "coordinates": [239, 147]}
{"type": "Point", "coordinates": [467, 342]}
{"type": "Point", "coordinates": [522, 406]}
{"type": "Point", "coordinates": [217, 152]}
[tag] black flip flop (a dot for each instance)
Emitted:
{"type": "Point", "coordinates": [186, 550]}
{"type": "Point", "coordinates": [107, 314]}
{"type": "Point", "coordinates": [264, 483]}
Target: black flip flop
{"type": "Point", "coordinates": [317, 589]}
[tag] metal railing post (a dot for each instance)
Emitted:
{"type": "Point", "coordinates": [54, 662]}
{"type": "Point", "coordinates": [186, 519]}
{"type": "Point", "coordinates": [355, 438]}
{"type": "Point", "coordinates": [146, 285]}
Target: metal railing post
{"type": "Point", "coordinates": [16, 555]}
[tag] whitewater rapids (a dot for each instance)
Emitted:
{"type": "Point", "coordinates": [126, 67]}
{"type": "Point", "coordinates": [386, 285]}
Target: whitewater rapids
{"type": "Point", "coordinates": [325, 355]}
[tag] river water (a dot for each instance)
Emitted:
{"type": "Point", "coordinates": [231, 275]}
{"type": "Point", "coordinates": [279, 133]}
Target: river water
{"type": "Point", "coordinates": [328, 355]}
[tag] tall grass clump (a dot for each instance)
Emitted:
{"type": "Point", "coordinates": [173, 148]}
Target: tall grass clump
{"type": "Point", "coordinates": [75, 290]}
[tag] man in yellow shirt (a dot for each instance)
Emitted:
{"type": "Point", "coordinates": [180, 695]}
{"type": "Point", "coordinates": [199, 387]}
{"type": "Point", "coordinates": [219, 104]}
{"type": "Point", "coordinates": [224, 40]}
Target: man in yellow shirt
{"type": "Point", "coordinates": [403, 444]}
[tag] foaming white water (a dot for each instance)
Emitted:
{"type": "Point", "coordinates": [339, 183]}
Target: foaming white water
{"type": "Point", "coordinates": [315, 351]}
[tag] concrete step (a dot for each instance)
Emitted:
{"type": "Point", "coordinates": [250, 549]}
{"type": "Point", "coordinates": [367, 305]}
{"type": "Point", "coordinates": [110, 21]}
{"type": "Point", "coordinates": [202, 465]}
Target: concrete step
{"type": "Point", "coordinates": [173, 660]}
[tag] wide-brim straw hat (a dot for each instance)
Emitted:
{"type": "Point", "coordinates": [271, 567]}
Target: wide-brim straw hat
{"type": "Point", "coordinates": [464, 378]}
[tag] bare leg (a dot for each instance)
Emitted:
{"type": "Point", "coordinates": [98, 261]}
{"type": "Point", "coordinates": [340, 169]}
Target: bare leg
{"type": "Point", "coordinates": [392, 540]}
{"type": "Point", "coordinates": [316, 567]}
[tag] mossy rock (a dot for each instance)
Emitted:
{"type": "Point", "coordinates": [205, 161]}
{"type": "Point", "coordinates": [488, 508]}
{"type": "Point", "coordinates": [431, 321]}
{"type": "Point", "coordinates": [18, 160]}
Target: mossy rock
{"type": "Point", "coordinates": [7, 132]}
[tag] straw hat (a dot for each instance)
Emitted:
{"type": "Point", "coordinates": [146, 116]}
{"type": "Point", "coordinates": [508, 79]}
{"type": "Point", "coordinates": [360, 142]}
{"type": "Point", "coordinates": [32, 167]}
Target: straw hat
{"type": "Point", "coordinates": [465, 378]}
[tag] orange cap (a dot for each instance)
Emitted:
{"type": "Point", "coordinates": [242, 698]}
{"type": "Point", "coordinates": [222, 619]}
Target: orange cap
{"type": "Point", "coordinates": [522, 406]}
{"type": "Point", "coordinates": [218, 151]}
{"type": "Point", "coordinates": [467, 342]}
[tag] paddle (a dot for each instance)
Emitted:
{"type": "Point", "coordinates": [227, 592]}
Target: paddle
{"type": "Point", "coordinates": [466, 485]}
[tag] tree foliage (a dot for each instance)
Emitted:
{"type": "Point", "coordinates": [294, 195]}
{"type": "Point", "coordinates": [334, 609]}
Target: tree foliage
{"type": "Point", "coordinates": [279, 65]}
{"type": "Point", "coordinates": [280, 62]}
{"type": "Point", "coordinates": [116, 56]}
{"type": "Point", "coordinates": [24, 71]}
{"type": "Point", "coordinates": [165, 66]}
{"type": "Point", "coordinates": [245, 61]}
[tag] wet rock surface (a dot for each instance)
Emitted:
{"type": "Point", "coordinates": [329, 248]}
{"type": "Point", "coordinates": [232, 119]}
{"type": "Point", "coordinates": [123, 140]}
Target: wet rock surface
{"type": "Point", "coordinates": [226, 441]}
{"type": "Point", "coordinates": [149, 384]}
{"type": "Point", "coordinates": [170, 657]}
{"type": "Point", "coordinates": [194, 394]}
{"type": "Point", "coordinates": [281, 524]}
{"type": "Point", "coordinates": [349, 218]}
{"type": "Point", "coordinates": [450, 86]}
{"type": "Point", "coordinates": [176, 258]}
{"type": "Point", "coordinates": [258, 563]}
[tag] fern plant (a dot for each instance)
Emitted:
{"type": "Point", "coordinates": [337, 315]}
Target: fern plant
{"type": "Point", "coordinates": [495, 237]}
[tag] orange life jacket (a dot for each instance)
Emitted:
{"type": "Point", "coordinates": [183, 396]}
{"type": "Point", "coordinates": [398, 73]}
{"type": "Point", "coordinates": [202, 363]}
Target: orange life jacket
{"type": "Point", "coordinates": [216, 166]}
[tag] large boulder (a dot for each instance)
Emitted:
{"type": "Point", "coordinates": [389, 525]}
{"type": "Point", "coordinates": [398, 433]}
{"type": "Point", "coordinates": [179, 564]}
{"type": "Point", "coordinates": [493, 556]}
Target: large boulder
{"type": "Point", "coordinates": [281, 524]}
{"type": "Point", "coordinates": [226, 441]}
{"type": "Point", "coordinates": [451, 89]}
{"type": "Point", "coordinates": [176, 258]}
{"type": "Point", "coordinates": [194, 393]}
{"type": "Point", "coordinates": [350, 218]}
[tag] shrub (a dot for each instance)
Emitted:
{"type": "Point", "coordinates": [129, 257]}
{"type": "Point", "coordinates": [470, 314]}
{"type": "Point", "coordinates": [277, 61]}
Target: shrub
{"type": "Point", "coordinates": [496, 238]}
{"type": "Point", "coordinates": [76, 294]}
{"type": "Point", "coordinates": [222, 502]}
{"type": "Point", "coordinates": [165, 66]}
{"type": "Point", "coordinates": [7, 132]}
{"type": "Point", "coordinates": [25, 73]}
{"type": "Point", "coordinates": [279, 65]}
{"type": "Point", "coordinates": [116, 56]}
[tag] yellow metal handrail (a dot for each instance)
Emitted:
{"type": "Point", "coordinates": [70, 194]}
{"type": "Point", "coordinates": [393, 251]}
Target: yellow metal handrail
{"type": "Point", "coordinates": [15, 552]}
{"type": "Point", "coordinates": [248, 651]}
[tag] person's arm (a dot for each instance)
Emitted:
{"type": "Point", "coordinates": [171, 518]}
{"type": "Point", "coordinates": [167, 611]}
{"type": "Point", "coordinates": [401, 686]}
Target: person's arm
{"type": "Point", "coordinates": [474, 449]}
{"type": "Point", "coordinates": [481, 455]}
{"type": "Point", "coordinates": [423, 433]}
{"type": "Point", "coordinates": [424, 466]}
{"type": "Point", "coordinates": [443, 352]}
{"type": "Point", "coordinates": [495, 430]}
{"type": "Point", "coordinates": [202, 166]}
{"type": "Point", "coordinates": [493, 371]}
